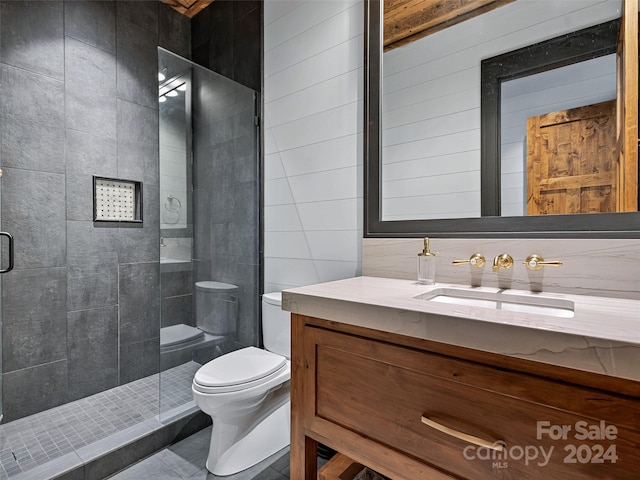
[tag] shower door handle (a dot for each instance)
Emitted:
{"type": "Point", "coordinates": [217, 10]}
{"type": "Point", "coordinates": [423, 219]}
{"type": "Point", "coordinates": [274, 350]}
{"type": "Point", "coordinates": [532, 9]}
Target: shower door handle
{"type": "Point", "coordinates": [10, 237]}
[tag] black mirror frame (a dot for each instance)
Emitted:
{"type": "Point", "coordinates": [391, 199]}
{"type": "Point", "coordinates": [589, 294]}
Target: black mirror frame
{"type": "Point", "coordinates": [604, 225]}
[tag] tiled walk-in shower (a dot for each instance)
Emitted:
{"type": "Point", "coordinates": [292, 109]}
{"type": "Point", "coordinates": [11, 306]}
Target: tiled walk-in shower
{"type": "Point", "coordinates": [65, 438]}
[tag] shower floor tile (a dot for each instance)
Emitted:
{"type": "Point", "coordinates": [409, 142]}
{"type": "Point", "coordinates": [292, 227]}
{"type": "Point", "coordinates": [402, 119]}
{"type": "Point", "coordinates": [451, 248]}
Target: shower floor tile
{"type": "Point", "coordinates": [66, 434]}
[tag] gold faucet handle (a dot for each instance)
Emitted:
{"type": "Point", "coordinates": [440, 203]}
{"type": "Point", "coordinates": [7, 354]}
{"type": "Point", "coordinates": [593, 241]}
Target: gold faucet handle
{"type": "Point", "coordinates": [502, 261]}
{"type": "Point", "coordinates": [536, 262]}
{"type": "Point", "coordinates": [476, 260]}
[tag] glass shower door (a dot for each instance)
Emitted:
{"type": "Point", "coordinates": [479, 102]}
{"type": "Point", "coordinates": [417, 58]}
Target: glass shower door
{"type": "Point", "coordinates": [6, 241]}
{"type": "Point", "coordinates": [1, 410]}
{"type": "Point", "coordinates": [209, 223]}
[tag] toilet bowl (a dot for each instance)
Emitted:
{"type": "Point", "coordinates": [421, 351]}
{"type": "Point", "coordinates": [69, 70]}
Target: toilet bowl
{"type": "Point", "coordinates": [246, 393]}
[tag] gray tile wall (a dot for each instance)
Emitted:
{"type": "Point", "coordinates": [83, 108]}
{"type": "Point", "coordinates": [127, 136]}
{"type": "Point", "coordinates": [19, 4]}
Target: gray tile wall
{"type": "Point", "coordinates": [227, 195]}
{"type": "Point", "coordinates": [78, 97]}
{"type": "Point", "coordinates": [226, 198]}
{"type": "Point", "coordinates": [227, 38]}
{"type": "Point", "coordinates": [176, 296]}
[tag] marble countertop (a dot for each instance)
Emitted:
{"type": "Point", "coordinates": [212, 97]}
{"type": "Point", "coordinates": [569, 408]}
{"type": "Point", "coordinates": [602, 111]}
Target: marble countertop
{"type": "Point", "coordinates": [602, 336]}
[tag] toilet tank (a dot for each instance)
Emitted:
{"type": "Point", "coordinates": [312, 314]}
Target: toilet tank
{"type": "Point", "coordinates": [276, 325]}
{"type": "Point", "coordinates": [216, 307]}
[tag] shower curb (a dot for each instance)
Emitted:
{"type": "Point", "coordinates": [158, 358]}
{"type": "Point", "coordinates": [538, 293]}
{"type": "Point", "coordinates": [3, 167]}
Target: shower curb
{"type": "Point", "coordinates": [110, 455]}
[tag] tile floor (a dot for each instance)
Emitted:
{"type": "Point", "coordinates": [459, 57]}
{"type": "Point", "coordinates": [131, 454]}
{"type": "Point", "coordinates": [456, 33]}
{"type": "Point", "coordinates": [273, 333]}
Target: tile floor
{"type": "Point", "coordinates": [186, 460]}
{"type": "Point", "coordinates": [76, 431]}
{"type": "Point", "coordinates": [70, 434]}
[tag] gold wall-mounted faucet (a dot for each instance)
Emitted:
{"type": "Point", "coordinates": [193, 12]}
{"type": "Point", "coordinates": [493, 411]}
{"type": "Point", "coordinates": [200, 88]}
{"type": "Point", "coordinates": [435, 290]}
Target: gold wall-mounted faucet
{"type": "Point", "coordinates": [503, 260]}
{"type": "Point", "coordinates": [476, 260]}
{"type": "Point", "coordinates": [536, 262]}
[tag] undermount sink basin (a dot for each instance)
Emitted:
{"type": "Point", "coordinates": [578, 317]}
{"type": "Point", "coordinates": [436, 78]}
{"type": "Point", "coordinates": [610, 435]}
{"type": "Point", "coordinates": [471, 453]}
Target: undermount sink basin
{"type": "Point", "coordinates": [501, 300]}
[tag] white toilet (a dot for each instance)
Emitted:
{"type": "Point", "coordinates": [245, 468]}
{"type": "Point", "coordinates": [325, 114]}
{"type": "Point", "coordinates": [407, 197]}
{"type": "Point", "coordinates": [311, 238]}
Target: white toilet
{"type": "Point", "coordinates": [246, 393]}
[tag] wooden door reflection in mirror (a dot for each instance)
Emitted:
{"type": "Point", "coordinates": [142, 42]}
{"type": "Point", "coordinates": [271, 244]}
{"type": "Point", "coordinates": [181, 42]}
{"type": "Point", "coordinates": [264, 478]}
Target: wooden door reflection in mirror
{"type": "Point", "coordinates": [571, 165]}
{"type": "Point", "coordinates": [580, 160]}
{"type": "Point", "coordinates": [590, 52]}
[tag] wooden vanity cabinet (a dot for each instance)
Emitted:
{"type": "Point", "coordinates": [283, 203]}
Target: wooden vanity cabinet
{"type": "Point", "coordinates": [365, 392]}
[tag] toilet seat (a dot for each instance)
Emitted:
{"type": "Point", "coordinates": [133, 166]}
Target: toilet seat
{"type": "Point", "coordinates": [238, 370]}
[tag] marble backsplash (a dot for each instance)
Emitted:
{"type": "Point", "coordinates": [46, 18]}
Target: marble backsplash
{"type": "Point", "coordinates": [601, 267]}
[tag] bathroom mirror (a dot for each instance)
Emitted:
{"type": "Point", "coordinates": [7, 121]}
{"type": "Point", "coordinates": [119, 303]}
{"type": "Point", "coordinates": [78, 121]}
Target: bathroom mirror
{"type": "Point", "coordinates": [461, 186]}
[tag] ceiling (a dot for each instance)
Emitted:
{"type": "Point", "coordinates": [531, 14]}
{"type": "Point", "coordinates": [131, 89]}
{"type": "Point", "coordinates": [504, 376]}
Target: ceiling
{"type": "Point", "coordinates": [404, 20]}
{"type": "Point", "coordinates": [188, 8]}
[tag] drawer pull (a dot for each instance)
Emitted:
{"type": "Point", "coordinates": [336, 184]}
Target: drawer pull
{"type": "Point", "coordinates": [499, 447]}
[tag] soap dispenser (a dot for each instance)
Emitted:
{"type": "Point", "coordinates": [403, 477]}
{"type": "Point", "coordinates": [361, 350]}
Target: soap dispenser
{"type": "Point", "coordinates": [426, 265]}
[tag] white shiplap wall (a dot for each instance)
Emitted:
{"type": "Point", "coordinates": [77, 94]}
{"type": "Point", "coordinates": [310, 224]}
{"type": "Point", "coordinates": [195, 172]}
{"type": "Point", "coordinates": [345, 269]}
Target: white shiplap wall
{"type": "Point", "coordinates": [313, 101]}
{"type": "Point", "coordinates": [431, 104]}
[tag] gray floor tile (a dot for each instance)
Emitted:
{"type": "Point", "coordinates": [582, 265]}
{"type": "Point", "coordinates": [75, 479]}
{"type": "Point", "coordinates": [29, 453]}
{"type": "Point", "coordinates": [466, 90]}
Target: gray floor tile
{"type": "Point", "coordinates": [183, 466]}
{"type": "Point", "coordinates": [194, 449]}
{"type": "Point", "coordinates": [282, 464]}
{"type": "Point", "coordinates": [269, 474]}
{"type": "Point", "coordinates": [201, 475]}
{"type": "Point", "coordinates": [153, 468]}
{"type": "Point", "coordinates": [187, 458]}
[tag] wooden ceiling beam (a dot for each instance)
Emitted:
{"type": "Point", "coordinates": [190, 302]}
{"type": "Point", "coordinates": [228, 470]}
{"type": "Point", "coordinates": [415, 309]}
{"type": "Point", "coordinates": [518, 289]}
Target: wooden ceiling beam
{"type": "Point", "coordinates": [409, 20]}
{"type": "Point", "coordinates": [188, 8]}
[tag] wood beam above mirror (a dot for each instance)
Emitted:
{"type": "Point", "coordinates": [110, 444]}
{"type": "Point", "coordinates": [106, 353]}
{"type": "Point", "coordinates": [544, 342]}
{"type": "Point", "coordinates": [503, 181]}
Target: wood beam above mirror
{"type": "Point", "coordinates": [409, 20]}
{"type": "Point", "coordinates": [188, 8]}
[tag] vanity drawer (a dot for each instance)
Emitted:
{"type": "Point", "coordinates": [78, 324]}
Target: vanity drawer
{"type": "Point", "coordinates": [394, 387]}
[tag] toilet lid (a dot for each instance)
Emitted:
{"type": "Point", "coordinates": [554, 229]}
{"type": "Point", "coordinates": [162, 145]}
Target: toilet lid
{"type": "Point", "coordinates": [238, 367]}
{"type": "Point", "coordinates": [273, 298]}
